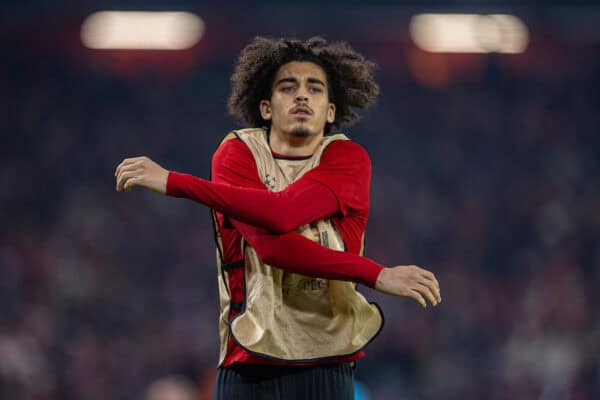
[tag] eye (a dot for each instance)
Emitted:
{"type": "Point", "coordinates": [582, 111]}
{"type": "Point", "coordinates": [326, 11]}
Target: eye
{"type": "Point", "coordinates": [287, 89]}
{"type": "Point", "coordinates": [316, 89]}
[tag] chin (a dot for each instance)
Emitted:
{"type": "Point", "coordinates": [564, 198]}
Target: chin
{"type": "Point", "coordinates": [300, 131]}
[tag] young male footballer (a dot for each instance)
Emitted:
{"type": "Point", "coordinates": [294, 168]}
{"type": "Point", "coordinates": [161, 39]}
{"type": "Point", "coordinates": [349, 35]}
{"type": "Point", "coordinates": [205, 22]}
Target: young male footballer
{"type": "Point", "coordinates": [290, 201]}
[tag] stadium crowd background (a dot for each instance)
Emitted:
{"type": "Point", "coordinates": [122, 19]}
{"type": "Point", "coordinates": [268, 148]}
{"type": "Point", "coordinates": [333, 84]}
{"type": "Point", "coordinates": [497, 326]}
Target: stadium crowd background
{"type": "Point", "coordinates": [490, 178]}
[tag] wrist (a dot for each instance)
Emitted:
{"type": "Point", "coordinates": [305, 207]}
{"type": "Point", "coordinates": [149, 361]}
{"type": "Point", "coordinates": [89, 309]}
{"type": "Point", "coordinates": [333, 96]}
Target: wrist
{"type": "Point", "coordinates": [380, 282]}
{"type": "Point", "coordinates": [163, 179]}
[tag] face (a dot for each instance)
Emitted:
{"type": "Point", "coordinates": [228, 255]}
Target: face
{"type": "Point", "coordinates": [299, 103]}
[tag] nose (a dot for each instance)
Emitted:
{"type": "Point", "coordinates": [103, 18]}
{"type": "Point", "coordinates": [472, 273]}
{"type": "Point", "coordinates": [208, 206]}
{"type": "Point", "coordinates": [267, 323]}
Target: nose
{"type": "Point", "coordinates": [301, 97]}
{"type": "Point", "coordinates": [302, 94]}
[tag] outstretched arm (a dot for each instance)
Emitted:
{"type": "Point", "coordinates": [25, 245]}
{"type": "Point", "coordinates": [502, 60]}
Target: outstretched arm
{"type": "Point", "coordinates": [307, 200]}
{"type": "Point", "coordinates": [293, 252]}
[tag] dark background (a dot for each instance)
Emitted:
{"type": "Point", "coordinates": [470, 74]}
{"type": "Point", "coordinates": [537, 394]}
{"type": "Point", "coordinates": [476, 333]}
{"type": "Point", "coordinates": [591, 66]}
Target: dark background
{"type": "Point", "coordinates": [486, 170]}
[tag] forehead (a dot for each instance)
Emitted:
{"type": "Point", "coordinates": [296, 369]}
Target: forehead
{"type": "Point", "coordinates": [300, 70]}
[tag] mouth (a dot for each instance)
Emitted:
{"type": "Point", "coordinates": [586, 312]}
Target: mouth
{"type": "Point", "coordinates": [301, 112]}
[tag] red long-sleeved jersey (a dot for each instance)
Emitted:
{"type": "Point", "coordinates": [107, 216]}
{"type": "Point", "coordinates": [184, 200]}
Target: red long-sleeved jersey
{"type": "Point", "coordinates": [338, 188]}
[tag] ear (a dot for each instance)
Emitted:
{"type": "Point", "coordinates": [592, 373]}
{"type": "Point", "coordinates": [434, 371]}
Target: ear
{"type": "Point", "coordinates": [265, 110]}
{"type": "Point", "coordinates": [331, 113]}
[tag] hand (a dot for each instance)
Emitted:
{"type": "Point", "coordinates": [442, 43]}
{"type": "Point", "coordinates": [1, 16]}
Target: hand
{"type": "Point", "coordinates": [143, 172]}
{"type": "Point", "coordinates": [410, 281]}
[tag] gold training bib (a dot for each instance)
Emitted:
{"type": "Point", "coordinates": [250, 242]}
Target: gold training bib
{"type": "Point", "coordinates": [288, 316]}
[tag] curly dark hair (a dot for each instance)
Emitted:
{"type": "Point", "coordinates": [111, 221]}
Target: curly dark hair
{"type": "Point", "coordinates": [349, 76]}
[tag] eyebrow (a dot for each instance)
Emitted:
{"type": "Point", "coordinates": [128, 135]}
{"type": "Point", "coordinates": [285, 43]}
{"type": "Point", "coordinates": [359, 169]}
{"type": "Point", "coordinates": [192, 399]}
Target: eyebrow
{"type": "Point", "coordinates": [295, 80]}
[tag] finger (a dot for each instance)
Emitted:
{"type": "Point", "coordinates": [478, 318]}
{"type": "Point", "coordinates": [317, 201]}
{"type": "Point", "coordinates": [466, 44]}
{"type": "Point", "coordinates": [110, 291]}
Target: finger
{"type": "Point", "coordinates": [435, 289]}
{"type": "Point", "coordinates": [427, 292]}
{"type": "Point", "coordinates": [121, 164]}
{"type": "Point", "coordinates": [438, 293]}
{"type": "Point", "coordinates": [133, 166]}
{"type": "Point", "coordinates": [125, 162]}
{"type": "Point", "coordinates": [131, 182]}
{"type": "Point", "coordinates": [418, 297]}
{"type": "Point", "coordinates": [122, 179]}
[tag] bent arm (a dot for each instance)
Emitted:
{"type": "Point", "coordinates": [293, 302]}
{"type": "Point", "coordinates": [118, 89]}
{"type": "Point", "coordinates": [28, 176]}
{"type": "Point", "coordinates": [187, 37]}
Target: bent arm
{"type": "Point", "coordinates": [299, 204]}
{"type": "Point", "coordinates": [338, 185]}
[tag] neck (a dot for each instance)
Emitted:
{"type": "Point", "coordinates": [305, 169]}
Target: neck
{"type": "Point", "coordinates": [288, 144]}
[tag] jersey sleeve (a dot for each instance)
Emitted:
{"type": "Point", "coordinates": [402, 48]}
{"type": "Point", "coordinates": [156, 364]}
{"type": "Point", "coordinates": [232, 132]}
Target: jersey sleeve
{"type": "Point", "coordinates": [345, 168]}
{"type": "Point", "coordinates": [293, 252]}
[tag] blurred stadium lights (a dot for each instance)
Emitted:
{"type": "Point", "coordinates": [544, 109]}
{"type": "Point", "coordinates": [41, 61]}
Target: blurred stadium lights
{"type": "Point", "coordinates": [469, 33]}
{"type": "Point", "coordinates": [143, 30]}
